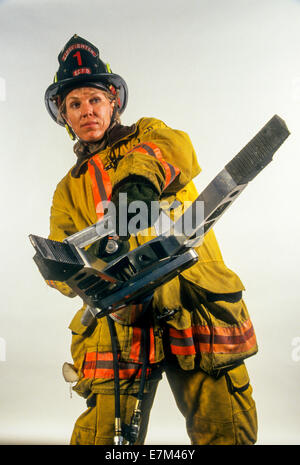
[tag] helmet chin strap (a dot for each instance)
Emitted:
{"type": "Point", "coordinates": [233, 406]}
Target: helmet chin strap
{"type": "Point", "coordinates": [70, 132]}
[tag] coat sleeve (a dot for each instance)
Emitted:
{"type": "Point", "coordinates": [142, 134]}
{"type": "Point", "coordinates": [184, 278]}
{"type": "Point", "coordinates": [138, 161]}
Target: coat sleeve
{"type": "Point", "coordinates": [61, 226]}
{"type": "Point", "coordinates": [165, 156]}
{"type": "Point", "coordinates": [61, 222]}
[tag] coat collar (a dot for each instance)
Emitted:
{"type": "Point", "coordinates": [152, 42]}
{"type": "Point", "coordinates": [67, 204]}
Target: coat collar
{"type": "Point", "coordinates": [84, 150]}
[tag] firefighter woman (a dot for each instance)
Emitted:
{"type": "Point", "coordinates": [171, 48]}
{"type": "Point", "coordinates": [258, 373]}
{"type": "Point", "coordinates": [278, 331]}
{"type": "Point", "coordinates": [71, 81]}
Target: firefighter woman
{"type": "Point", "coordinates": [196, 328]}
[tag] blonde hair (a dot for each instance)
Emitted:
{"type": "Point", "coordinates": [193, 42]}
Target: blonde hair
{"type": "Point", "coordinates": [62, 109]}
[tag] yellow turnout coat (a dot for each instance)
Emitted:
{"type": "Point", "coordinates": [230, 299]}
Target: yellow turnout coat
{"type": "Point", "coordinates": [212, 329]}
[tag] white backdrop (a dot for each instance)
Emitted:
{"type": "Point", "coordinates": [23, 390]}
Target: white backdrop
{"type": "Point", "coordinates": [218, 70]}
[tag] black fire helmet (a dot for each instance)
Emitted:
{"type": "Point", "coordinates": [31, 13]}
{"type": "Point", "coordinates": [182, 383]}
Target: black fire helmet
{"type": "Point", "coordinates": [80, 66]}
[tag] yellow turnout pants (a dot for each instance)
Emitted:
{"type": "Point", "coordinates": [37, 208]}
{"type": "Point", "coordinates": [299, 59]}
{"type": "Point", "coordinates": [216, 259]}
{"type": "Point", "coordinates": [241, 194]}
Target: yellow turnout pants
{"type": "Point", "coordinates": [218, 411]}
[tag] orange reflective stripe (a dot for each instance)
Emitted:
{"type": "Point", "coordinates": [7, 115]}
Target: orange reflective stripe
{"type": "Point", "coordinates": [94, 356]}
{"type": "Point", "coordinates": [181, 341]}
{"type": "Point", "coordinates": [171, 171]}
{"type": "Point", "coordinates": [100, 365]}
{"type": "Point", "coordinates": [203, 338]}
{"type": "Point", "coordinates": [101, 184]}
{"type": "Point", "coordinates": [135, 352]}
{"type": "Point", "coordinates": [153, 150]}
{"type": "Point", "coordinates": [234, 339]}
{"type": "Point", "coordinates": [152, 347]}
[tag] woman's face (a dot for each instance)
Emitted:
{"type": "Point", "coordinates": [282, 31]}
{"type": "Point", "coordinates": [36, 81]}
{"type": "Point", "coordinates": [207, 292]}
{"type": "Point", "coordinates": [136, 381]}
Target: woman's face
{"type": "Point", "coordinates": [88, 112]}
